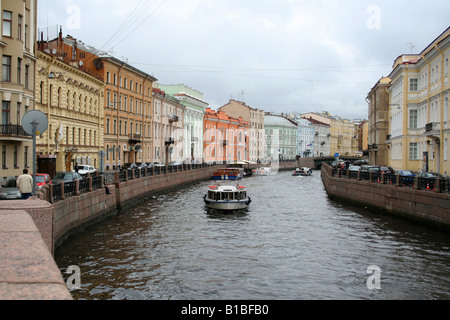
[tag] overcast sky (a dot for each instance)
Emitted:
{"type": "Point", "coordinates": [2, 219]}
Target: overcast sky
{"type": "Point", "coordinates": [275, 55]}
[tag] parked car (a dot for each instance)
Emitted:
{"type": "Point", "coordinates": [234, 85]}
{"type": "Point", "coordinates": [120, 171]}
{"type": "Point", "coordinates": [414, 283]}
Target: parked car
{"type": "Point", "coordinates": [408, 176]}
{"type": "Point", "coordinates": [354, 168]}
{"type": "Point", "coordinates": [430, 175]}
{"type": "Point", "coordinates": [9, 191]}
{"type": "Point", "coordinates": [66, 177]}
{"type": "Point", "coordinates": [175, 163]}
{"type": "Point", "coordinates": [373, 168]}
{"type": "Point", "coordinates": [42, 179]}
{"type": "Point", "coordinates": [406, 173]}
{"type": "Point", "coordinates": [84, 169]}
{"type": "Point", "coordinates": [387, 169]}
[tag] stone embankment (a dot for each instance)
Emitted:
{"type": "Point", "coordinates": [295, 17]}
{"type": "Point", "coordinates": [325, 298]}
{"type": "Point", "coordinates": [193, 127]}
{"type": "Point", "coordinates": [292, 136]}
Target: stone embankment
{"type": "Point", "coordinates": [412, 198]}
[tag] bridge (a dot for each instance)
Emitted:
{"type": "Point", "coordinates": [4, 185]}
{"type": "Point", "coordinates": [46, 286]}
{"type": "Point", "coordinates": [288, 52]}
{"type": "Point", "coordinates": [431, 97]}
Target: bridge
{"type": "Point", "coordinates": [317, 162]}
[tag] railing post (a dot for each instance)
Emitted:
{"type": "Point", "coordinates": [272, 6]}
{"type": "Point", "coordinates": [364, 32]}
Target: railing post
{"type": "Point", "coordinates": [359, 174]}
{"type": "Point", "coordinates": [63, 195]}
{"type": "Point", "coordinates": [437, 185]}
{"type": "Point", "coordinates": [116, 177]}
{"type": "Point", "coordinates": [77, 187]}
{"type": "Point", "coordinates": [416, 183]}
{"type": "Point", "coordinates": [90, 188]}
{"type": "Point", "coordinates": [370, 176]}
{"type": "Point", "coordinates": [382, 177]}
{"type": "Point", "coordinates": [50, 193]}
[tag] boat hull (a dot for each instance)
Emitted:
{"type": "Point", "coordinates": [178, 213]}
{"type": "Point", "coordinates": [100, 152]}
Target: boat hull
{"type": "Point", "coordinates": [227, 205]}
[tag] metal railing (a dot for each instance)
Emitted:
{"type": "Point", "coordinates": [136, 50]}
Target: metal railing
{"type": "Point", "coordinates": [441, 185]}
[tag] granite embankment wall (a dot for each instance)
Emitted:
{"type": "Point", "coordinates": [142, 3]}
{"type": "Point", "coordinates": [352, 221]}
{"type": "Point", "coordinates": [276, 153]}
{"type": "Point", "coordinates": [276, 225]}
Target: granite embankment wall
{"type": "Point", "coordinates": [428, 207]}
{"type": "Point", "coordinates": [31, 229]}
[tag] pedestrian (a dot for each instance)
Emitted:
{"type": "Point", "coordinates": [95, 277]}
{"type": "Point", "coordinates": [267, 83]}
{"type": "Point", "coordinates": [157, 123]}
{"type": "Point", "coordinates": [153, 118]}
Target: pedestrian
{"type": "Point", "coordinates": [25, 184]}
{"type": "Point", "coordinates": [76, 167]}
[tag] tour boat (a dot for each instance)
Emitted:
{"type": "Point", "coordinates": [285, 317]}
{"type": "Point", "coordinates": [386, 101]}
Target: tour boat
{"type": "Point", "coordinates": [228, 174]}
{"type": "Point", "coordinates": [262, 171]}
{"type": "Point", "coordinates": [227, 198]}
{"type": "Point", "coordinates": [303, 171]}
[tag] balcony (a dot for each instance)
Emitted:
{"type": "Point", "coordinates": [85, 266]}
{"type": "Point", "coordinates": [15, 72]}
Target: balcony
{"type": "Point", "coordinates": [169, 141]}
{"type": "Point", "coordinates": [433, 129]}
{"type": "Point", "coordinates": [135, 138]}
{"type": "Point", "coordinates": [173, 118]}
{"type": "Point", "coordinates": [9, 131]}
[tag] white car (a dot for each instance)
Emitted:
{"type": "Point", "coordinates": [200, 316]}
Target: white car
{"type": "Point", "coordinates": [84, 169]}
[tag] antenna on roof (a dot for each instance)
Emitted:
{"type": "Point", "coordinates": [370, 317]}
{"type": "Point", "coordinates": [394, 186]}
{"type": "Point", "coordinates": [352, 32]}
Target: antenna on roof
{"type": "Point", "coordinates": [411, 46]}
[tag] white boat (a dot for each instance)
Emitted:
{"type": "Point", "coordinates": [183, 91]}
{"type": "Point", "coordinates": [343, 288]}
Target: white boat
{"type": "Point", "coordinates": [303, 171]}
{"type": "Point", "coordinates": [262, 171]}
{"type": "Point", "coordinates": [227, 198]}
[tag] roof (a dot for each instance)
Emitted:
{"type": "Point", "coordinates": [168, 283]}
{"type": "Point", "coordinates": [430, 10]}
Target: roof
{"type": "Point", "coordinates": [270, 120]}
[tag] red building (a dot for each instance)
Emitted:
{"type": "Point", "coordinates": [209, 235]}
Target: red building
{"type": "Point", "coordinates": [225, 138]}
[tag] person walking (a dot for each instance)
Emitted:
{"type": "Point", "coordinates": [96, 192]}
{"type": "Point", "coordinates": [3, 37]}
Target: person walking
{"type": "Point", "coordinates": [25, 184]}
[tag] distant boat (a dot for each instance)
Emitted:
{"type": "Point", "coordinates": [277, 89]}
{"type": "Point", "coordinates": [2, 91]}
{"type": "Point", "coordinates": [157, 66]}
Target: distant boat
{"type": "Point", "coordinates": [262, 171]}
{"type": "Point", "coordinates": [303, 171]}
{"type": "Point", "coordinates": [228, 174]}
{"type": "Point", "coordinates": [227, 198]}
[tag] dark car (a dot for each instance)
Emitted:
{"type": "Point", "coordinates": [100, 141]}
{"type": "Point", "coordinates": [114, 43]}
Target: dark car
{"type": "Point", "coordinates": [387, 169]}
{"type": "Point", "coordinates": [10, 191]}
{"type": "Point", "coordinates": [66, 177]}
{"type": "Point", "coordinates": [430, 175]}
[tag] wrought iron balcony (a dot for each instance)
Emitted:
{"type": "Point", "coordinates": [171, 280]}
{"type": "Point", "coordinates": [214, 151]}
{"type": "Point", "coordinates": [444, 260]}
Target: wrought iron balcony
{"type": "Point", "coordinates": [12, 130]}
{"type": "Point", "coordinates": [169, 141]}
{"type": "Point", "coordinates": [135, 138]}
{"type": "Point", "coordinates": [173, 118]}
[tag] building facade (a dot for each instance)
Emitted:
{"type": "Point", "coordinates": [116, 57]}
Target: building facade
{"type": "Point", "coordinates": [194, 110]}
{"type": "Point", "coordinates": [255, 118]}
{"type": "Point", "coordinates": [226, 139]}
{"type": "Point", "coordinates": [128, 104]}
{"type": "Point", "coordinates": [418, 107]}
{"type": "Point", "coordinates": [378, 122]}
{"type": "Point", "coordinates": [168, 128]}
{"type": "Point", "coordinates": [281, 137]}
{"type": "Point", "coordinates": [305, 137]}
{"type": "Point", "coordinates": [321, 138]}
{"type": "Point", "coordinates": [72, 101]}
{"type": "Point", "coordinates": [18, 52]}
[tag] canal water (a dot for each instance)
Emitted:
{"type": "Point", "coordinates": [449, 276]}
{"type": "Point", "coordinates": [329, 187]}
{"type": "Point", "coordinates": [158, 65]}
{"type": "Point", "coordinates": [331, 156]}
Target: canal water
{"type": "Point", "coordinates": [293, 243]}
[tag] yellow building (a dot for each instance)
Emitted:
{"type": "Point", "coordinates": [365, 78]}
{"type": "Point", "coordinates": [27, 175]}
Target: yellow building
{"type": "Point", "coordinates": [72, 100]}
{"type": "Point", "coordinates": [343, 133]}
{"type": "Point", "coordinates": [378, 122]}
{"type": "Point", "coordinates": [17, 50]}
{"type": "Point", "coordinates": [419, 125]}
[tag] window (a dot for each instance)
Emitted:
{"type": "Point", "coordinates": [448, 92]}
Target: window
{"type": "Point", "coordinates": [414, 84]}
{"type": "Point", "coordinates": [7, 23]}
{"type": "Point", "coordinates": [19, 31]}
{"type": "Point", "coordinates": [19, 70]}
{"type": "Point", "coordinates": [4, 157]}
{"type": "Point", "coordinates": [413, 119]}
{"type": "Point", "coordinates": [5, 112]}
{"type": "Point", "coordinates": [15, 157]}
{"type": "Point", "coordinates": [27, 74]}
{"type": "Point", "coordinates": [6, 68]}
{"type": "Point", "coordinates": [25, 158]}
{"type": "Point", "coordinates": [413, 151]}
{"type": "Point", "coordinates": [446, 66]}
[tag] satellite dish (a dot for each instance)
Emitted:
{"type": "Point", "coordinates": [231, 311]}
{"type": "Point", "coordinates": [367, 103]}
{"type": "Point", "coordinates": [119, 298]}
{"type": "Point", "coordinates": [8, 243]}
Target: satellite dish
{"type": "Point", "coordinates": [53, 51]}
{"type": "Point", "coordinates": [80, 63]}
{"type": "Point", "coordinates": [34, 118]}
